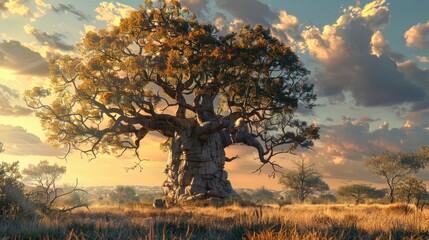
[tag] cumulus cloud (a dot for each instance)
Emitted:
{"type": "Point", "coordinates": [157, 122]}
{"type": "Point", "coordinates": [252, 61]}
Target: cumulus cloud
{"type": "Point", "coordinates": [287, 21]}
{"type": "Point", "coordinates": [18, 7]}
{"type": "Point", "coordinates": [220, 21]}
{"type": "Point", "coordinates": [21, 59]}
{"type": "Point", "coordinates": [68, 8]}
{"type": "Point", "coordinates": [378, 44]}
{"type": "Point", "coordinates": [6, 106]}
{"type": "Point", "coordinates": [41, 7]}
{"type": "Point", "coordinates": [19, 141]}
{"type": "Point", "coordinates": [235, 25]}
{"type": "Point", "coordinates": [15, 7]}
{"type": "Point", "coordinates": [55, 40]}
{"type": "Point", "coordinates": [420, 77]}
{"type": "Point", "coordinates": [409, 68]}
{"type": "Point", "coordinates": [287, 28]}
{"type": "Point", "coordinates": [250, 11]}
{"type": "Point", "coordinates": [348, 52]}
{"type": "Point", "coordinates": [42, 4]}
{"type": "Point", "coordinates": [376, 13]}
{"type": "Point", "coordinates": [418, 36]}
{"type": "Point", "coordinates": [112, 13]}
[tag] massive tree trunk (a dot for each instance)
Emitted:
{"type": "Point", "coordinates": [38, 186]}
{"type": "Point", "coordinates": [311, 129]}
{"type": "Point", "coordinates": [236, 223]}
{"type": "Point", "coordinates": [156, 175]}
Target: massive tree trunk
{"type": "Point", "coordinates": [195, 167]}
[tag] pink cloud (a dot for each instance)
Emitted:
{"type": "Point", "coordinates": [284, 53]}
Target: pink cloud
{"type": "Point", "coordinates": [418, 36]}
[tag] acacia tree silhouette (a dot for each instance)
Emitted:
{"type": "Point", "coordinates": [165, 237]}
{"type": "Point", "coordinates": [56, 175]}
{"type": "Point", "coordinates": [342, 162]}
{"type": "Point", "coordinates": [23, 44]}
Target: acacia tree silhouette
{"type": "Point", "coordinates": [44, 178]}
{"type": "Point", "coordinates": [304, 180]}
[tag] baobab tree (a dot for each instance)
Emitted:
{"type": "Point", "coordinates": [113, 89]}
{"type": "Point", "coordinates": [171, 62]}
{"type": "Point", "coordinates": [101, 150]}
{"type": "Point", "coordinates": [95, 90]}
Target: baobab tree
{"type": "Point", "coordinates": [163, 71]}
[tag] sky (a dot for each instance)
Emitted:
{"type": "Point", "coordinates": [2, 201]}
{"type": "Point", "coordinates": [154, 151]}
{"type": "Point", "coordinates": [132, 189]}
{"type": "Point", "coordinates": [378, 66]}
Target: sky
{"type": "Point", "coordinates": [369, 62]}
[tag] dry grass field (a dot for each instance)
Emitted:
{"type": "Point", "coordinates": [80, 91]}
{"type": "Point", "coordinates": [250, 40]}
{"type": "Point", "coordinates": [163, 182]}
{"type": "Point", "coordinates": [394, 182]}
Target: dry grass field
{"type": "Point", "coordinates": [228, 222]}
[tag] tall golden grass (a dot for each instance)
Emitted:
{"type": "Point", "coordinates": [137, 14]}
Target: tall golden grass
{"type": "Point", "coordinates": [228, 222]}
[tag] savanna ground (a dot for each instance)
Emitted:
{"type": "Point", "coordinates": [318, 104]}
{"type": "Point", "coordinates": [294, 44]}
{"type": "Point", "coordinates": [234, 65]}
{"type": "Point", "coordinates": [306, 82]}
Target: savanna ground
{"type": "Point", "coordinates": [227, 222]}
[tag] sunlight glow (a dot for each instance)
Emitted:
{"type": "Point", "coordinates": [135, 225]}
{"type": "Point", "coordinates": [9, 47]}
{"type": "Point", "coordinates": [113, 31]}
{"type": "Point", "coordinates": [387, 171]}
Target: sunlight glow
{"type": "Point", "coordinates": [6, 74]}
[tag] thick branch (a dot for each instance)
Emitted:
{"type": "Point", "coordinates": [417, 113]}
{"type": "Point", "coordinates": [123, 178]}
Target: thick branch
{"type": "Point", "coordinates": [244, 136]}
{"type": "Point", "coordinates": [221, 123]}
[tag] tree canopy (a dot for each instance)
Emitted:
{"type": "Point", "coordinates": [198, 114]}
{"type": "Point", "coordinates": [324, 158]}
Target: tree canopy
{"type": "Point", "coordinates": [162, 70]}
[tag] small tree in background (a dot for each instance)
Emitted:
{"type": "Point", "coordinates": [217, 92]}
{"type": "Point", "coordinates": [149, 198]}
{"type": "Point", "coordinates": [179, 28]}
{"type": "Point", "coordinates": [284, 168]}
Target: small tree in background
{"type": "Point", "coordinates": [359, 192]}
{"type": "Point", "coordinates": [13, 201]}
{"type": "Point", "coordinates": [325, 198]}
{"type": "Point", "coordinates": [262, 194]}
{"type": "Point", "coordinates": [124, 195]}
{"type": "Point", "coordinates": [44, 177]}
{"type": "Point", "coordinates": [304, 180]}
{"type": "Point", "coordinates": [411, 188]}
{"type": "Point", "coordinates": [244, 195]}
{"type": "Point", "coordinates": [393, 167]}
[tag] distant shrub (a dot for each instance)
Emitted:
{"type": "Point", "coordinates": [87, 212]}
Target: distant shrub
{"type": "Point", "coordinates": [124, 195]}
{"type": "Point", "coordinates": [245, 195]}
{"type": "Point", "coordinates": [262, 195]}
{"type": "Point", "coordinates": [14, 203]}
{"type": "Point", "coordinates": [322, 199]}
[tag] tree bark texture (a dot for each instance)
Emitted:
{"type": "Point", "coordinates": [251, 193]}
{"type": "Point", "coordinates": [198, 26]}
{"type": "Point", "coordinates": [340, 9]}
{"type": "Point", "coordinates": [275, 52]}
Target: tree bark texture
{"type": "Point", "coordinates": [195, 168]}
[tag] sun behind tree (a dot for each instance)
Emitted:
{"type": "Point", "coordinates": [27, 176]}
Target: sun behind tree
{"type": "Point", "coordinates": [163, 71]}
